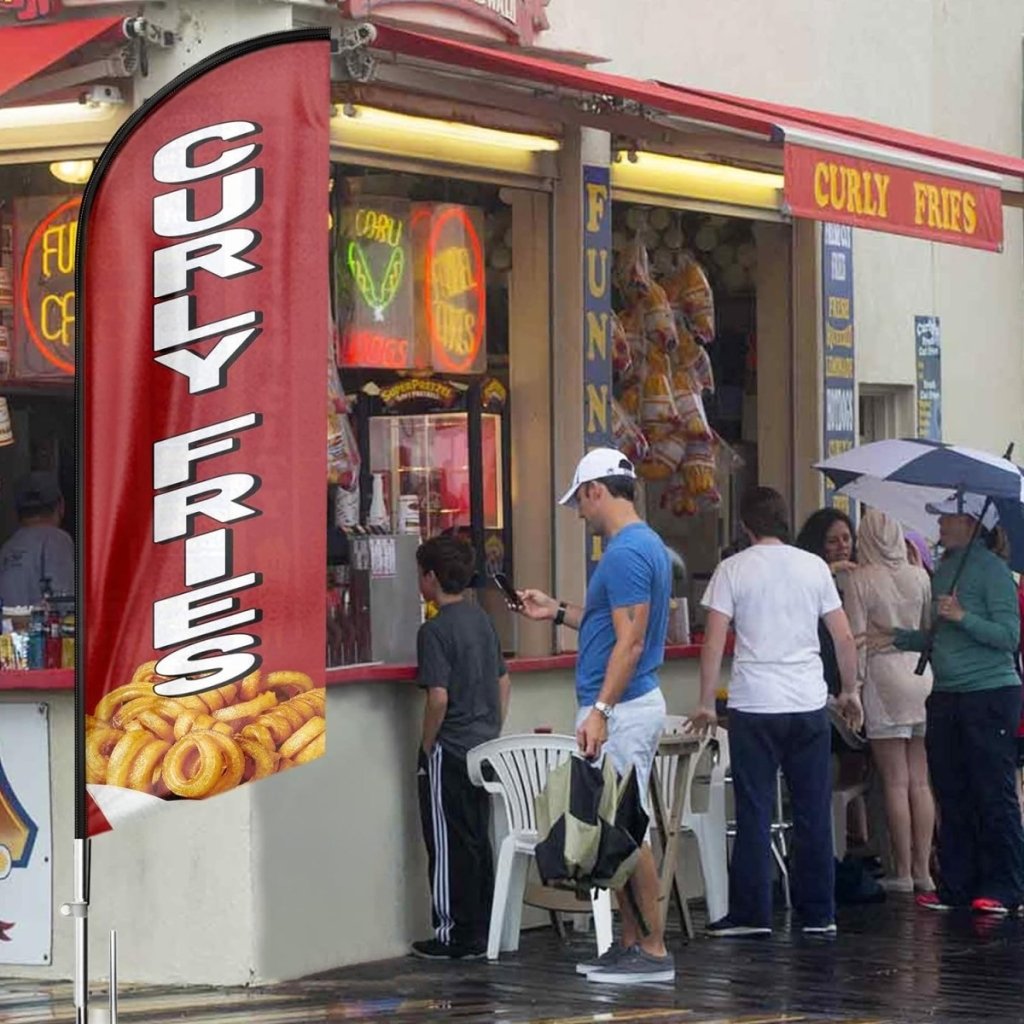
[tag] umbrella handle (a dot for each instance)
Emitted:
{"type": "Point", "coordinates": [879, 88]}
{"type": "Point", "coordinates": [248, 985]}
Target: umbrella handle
{"type": "Point", "coordinates": [926, 656]}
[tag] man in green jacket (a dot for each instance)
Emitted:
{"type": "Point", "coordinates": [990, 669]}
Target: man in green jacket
{"type": "Point", "coordinates": [972, 717]}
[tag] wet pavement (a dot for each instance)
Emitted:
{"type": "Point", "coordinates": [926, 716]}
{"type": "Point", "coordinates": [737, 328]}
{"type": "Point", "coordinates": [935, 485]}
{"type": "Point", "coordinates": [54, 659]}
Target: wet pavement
{"type": "Point", "coordinates": [890, 963]}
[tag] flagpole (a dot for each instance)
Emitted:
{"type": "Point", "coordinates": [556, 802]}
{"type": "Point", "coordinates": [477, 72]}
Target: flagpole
{"type": "Point", "coordinates": [78, 909]}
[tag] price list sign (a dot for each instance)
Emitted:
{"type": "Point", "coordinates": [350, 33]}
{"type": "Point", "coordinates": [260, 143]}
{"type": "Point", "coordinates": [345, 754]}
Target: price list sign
{"type": "Point", "coordinates": [928, 339]}
{"type": "Point", "coordinates": [837, 312]}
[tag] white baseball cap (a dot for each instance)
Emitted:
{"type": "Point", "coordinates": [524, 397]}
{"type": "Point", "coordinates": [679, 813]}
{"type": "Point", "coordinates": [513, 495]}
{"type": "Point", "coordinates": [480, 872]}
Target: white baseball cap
{"type": "Point", "coordinates": [596, 465]}
{"type": "Point", "coordinates": [972, 505]}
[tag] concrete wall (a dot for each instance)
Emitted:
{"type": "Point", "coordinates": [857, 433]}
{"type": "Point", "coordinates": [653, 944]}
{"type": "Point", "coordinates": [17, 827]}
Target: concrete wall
{"type": "Point", "coordinates": [947, 69]}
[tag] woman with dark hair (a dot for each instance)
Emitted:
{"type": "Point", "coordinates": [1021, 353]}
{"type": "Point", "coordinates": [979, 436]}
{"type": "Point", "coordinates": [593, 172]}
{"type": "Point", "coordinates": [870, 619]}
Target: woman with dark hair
{"type": "Point", "coordinates": [829, 534]}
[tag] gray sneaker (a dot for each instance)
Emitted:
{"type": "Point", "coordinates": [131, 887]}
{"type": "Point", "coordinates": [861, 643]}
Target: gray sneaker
{"type": "Point", "coordinates": [634, 966]}
{"type": "Point", "coordinates": [607, 959]}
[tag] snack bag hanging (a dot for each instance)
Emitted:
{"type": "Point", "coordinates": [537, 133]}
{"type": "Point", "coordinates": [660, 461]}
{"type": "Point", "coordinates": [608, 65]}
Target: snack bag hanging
{"type": "Point", "coordinates": [629, 438]}
{"type": "Point", "coordinates": [689, 292]}
{"type": "Point", "coordinates": [659, 325]}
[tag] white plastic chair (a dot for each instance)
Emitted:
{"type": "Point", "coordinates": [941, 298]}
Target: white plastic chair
{"type": "Point", "coordinates": [521, 765]}
{"type": "Point", "coordinates": [708, 825]}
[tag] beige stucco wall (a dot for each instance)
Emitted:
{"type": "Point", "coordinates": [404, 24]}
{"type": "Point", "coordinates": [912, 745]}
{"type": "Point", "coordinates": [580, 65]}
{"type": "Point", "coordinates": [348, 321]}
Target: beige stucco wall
{"type": "Point", "coordinates": [947, 69]}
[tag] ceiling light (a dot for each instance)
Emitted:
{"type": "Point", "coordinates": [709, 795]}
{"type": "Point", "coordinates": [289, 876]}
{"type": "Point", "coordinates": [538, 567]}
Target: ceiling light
{"type": "Point", "coordinates": [693, 179]}
{"type": "Point", "coordinates": [73, 172]}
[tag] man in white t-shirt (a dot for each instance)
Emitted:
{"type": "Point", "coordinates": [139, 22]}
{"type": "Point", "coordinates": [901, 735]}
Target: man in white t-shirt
{"type": "Point", "coordinates": [774, 595]}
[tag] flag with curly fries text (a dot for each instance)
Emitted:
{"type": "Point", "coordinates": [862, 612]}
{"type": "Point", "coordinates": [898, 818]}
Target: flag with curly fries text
{"type": "Point", "coordinates": [202, 285]}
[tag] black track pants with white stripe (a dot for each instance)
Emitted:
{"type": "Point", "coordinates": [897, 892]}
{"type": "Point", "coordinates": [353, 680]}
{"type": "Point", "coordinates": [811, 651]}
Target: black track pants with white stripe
{"type": "Point", "coordinates": [456, 829]}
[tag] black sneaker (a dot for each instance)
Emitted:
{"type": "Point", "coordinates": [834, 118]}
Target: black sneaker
{"type": "Point", "coordinates": [434, 949]}
{"type": "Point", "coordinates": [727, 928]}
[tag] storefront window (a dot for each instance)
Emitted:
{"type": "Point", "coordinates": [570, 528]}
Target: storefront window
{"type": "Point", "coordinates": [420, 404]}
{"type": "Point", "coordinates": [38, 229]}
{"type": "Point", "coordinates": [685, 379]}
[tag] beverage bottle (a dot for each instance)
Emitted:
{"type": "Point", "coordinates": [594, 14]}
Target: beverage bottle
{"type": "Point", "coordinates": [37, 640]}
{"type": "Point", "coordinates": [54, 644]}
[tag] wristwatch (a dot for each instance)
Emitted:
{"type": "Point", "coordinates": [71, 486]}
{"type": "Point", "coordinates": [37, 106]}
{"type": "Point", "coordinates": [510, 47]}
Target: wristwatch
{"type": "Point", "coordinates": [560, 614]}
{"type": "Point", "coordinates": [604, 709]}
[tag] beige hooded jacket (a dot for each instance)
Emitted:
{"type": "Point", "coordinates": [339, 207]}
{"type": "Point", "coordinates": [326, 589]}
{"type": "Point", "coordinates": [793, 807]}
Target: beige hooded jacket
{"type": "Point", "coordinates": [886, 592]}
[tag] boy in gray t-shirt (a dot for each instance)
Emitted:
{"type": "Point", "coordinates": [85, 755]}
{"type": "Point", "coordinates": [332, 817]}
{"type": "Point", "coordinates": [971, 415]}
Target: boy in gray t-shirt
{"type": "Point", "coordinates": [461, 668]}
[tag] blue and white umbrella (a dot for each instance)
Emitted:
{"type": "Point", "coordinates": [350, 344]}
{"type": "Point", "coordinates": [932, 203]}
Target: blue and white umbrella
{"type": "Point", "coordinates": [902, 477]}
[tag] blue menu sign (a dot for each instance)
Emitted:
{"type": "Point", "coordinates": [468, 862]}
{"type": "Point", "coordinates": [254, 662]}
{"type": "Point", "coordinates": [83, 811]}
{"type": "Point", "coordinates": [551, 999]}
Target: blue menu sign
{"type": "Point", "coordinates": [928, 339]}
{"type": "Point", "coordinates": [837, 312]}
{"type": "Point", "coordinates": [597, 311]}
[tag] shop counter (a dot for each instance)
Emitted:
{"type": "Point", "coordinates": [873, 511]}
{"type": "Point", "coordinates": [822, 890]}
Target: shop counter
{"type": "Point", "coordinates": [64, 678]}
{"type": "Point", "coordinates": [351, 674]}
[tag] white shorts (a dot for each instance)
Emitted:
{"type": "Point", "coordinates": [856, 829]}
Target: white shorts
{"type": "Point", "coordinates": [896, 732]}
{"type": "Point", "coordinates": [634, 732]}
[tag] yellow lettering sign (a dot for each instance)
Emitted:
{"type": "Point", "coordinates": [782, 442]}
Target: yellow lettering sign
{"type": "Point", "coordinates": [597, 408]}
{"type": "Point", "coordinates": [597, 272]}
{"type": "Point", "coordinates": [597, 199]}
{"type": "Point", "coordinates": [838, 307]}
{"type": "Point", "coordinates": [945, 209]}
{"type": "Point", "coordinates": [597, 335]}
{"type": "Point", "coordinates": [57, 249]}
{"type": "Point", "coordinates": [57, 318]}
{"type": "Point", "coordinates": [850, 190]}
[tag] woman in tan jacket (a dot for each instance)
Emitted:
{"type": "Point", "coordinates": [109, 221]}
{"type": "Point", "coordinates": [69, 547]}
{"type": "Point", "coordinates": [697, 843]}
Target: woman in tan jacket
{"type": "Point", "coordinates": [885, 593]}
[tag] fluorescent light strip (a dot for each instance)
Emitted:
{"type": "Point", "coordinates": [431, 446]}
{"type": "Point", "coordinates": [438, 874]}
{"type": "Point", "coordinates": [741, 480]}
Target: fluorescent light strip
{"type": "Point", "coordinates": [44, 115]}
{"type": "Point", "coordinates": [694, 179]}
{"type": "Point", "coordinates": [354, 118]}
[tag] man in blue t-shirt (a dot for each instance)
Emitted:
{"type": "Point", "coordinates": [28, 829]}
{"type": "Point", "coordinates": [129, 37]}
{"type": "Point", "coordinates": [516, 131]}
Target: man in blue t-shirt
{"type": "Point", "coordinates": [621, 709]}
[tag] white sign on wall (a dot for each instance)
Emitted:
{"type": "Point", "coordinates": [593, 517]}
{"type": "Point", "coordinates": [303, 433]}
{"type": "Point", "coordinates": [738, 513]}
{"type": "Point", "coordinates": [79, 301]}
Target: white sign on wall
{"type": "Point", "coordinates": [26, 839]}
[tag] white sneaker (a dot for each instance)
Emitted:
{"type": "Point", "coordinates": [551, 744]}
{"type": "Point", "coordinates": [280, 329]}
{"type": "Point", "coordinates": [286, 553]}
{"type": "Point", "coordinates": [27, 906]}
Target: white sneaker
{"type": "Point", "coordinates": [897, 885]}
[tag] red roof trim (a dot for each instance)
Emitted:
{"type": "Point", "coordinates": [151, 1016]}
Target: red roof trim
{"type": "Point", "coordinates": [30, 49]}
{"type": "Point", "coordinates": [735, 112]}
{"type": "Point", "coordinates": [548, 72]}
{"type": "Point", "coordinates": [873, 132]}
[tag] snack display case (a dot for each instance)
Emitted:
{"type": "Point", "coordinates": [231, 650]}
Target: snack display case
{"type": "Point", "coordinates": [428, 474]}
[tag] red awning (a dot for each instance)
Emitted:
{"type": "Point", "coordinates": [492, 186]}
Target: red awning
{"type": "Point", "coordinates": [528, 68]}
{"type": "Point", "coordinates": [768, 120]}
{"type": "Point", "coordinates": [27, 50]}
{"type": "Point", "coordinates": [875, 134]}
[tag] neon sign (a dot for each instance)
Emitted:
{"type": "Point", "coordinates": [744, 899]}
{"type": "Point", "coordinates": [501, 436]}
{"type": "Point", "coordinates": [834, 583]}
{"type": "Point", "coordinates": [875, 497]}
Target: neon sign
{"type": "Point", "coordinates": [376, 252]}
{"type": "Point", "coordinates": [378, 226]}
{"type": "Point", "coordinates": [455, 292]}
{"type": "Point", "coordinates": [434, 316]}
{"type": "Point", "coordinates": [45, 329]}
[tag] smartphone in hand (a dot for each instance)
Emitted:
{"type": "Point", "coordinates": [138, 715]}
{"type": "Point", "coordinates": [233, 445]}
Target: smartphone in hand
{"type": "Point", "coordinates": [504, 584]}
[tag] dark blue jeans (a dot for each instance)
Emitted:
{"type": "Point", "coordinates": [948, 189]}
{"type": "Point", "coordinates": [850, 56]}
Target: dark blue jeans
{"type": "Point", "coordinates": [972, 759]}
{"type": "Point", "coordinates": [799, 744]}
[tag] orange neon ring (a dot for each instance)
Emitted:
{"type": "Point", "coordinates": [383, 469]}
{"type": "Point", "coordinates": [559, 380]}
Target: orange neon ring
{"type": "Point", "coordinates": [458, 213]}
{"type": "Point", "coordinates": [26, 312]}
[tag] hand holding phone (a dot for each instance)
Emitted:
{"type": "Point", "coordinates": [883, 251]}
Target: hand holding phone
{"type": "Point", "coordinates": [511, 594]}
